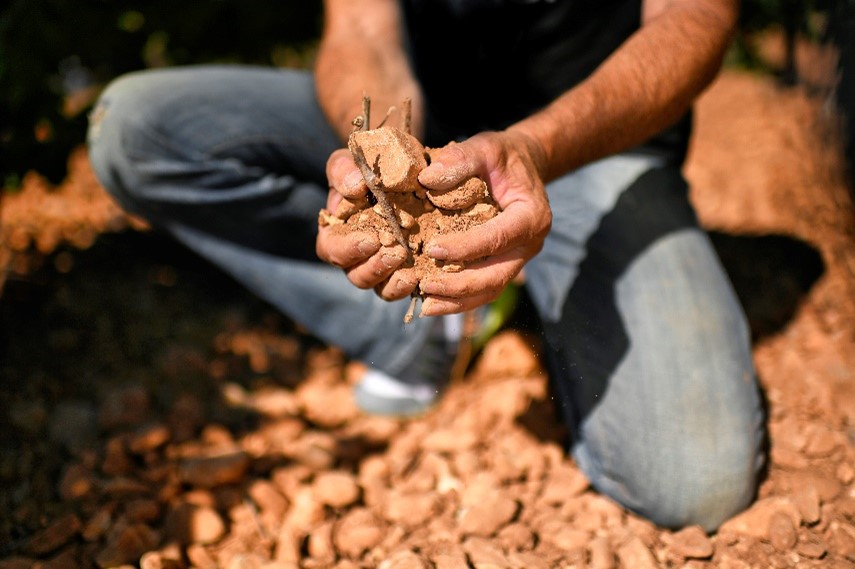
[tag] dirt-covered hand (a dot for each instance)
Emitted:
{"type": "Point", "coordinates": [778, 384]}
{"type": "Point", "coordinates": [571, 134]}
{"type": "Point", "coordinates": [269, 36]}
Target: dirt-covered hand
{"type": "Point", "coordinates": [365, 261]}
{"type": "Point", "coordinates": [496, 251]}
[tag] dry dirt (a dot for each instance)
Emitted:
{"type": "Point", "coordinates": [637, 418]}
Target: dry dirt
{"type": "Point", "coordinates": [156, 415]}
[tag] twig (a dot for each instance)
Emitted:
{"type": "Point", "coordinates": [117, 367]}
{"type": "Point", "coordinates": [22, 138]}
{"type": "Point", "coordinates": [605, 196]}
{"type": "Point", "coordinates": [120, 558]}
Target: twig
{"type": "Point", "coordinates": [408, 112]}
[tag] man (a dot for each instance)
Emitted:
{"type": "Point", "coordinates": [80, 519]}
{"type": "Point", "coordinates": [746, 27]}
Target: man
{"type": "Point", "coordinates": [575, 113]}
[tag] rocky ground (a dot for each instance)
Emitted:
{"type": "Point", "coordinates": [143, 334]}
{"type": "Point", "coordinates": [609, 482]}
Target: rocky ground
{"type": "Point", "coordinates": [155, 415]}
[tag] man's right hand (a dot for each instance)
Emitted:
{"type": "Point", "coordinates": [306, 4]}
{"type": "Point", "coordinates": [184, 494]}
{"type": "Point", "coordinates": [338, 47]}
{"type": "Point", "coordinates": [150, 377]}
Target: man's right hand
{"type": "Point", "coordinates": [364, 260]}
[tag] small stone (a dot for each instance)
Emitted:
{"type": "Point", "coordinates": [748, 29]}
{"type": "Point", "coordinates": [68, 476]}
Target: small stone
{"type": "Point", "coordinates": [76, 483]}
{"type": "Point", "coordinates": [487, 517]}
{"type": "Point", "coordinates": [148, 438]}
{"type": "Point", "coordinates": [602, 555]}
{"type": "Point", "coordinates": [58, 533]}
{"type": "Point", "coordinates": [811, 548]}
{"type": "Point", "coordinates": [845, 473]}
{"type": "Point", "coordinates": [563, 483]}
{"type": "Point", "coordinates": [635, 554]}
{"type": "Point", "coordinates": [268, 498]}
{"type": "Point", "coordinates": [98, 525]}
{"type": "Point", "coordinates": [215, 470]}
{"type": "Point", "coordinates": [410, 509]}
{"type": "Point", "coordinates": [126, 544]}
{"type": "Point", "coordinates": [448, 556]}
{"type": "Point", "coordinates": [116, 461]}
{"type": "Point", "coordinates": [516, 537]}
{"type": "Point", "coordinates": [691, 543]}
{"type": "Point", "coordinates": [404, 560]}
{"type": "Point", "coordinates": [142, 510]}
{"type": "Point", "coordinates": [484, 554]}
{"type": "Point", "coordinates": [755, 521]}
{"type": "Point", "coordinates": [396, 155]}
{"type": "Point", "coordinates": [821, 442]}
{"type": "Point", "coordinates": [782, 532]}
{"type": "Point", "coordinates": [337, 489]}
{"type": "Point", "coordinates": [68, 558]}
{"type": "Point", "coordinates": [157, 560]}
{"type": "Point", "coordinates": [461, 197]}
{"type": "Point", "coordinates": [320, 544]}
{"type": "Point", "coordinates": [22, 563]}
{"type": "Point", "coordinates": [358, 531]}
{"type": "Point", "coordinates": [808, 503]}
{"type": "Point", "coordinates": [449, 441]}
{"type": "Point", "coordinates": [563, 535]}
{"type": "Point", "coordinates": [306, 512]}
{"type": "Point", "coordinates": [188, 523]}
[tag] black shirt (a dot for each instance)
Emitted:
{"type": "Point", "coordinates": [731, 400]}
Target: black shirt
{"type": "Point", "coordinates": [485, 64]}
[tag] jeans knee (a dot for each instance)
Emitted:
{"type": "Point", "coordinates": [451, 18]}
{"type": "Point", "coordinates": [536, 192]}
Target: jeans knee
{"type": "Point", "coordinates": [688, 488]}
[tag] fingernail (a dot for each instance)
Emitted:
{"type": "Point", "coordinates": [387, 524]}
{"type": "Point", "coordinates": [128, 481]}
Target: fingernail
{"type": "Point", "coordinates": [437, 252]}
{"type": "Point", "coordinates": [390, 260]}
{"type": "Point", "coordinates": [353, 180]}
{"type": "Point", "coordinates": [366, 247]}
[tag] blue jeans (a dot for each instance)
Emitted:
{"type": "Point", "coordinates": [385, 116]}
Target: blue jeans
{"type": "Point", "coordinates": [647, 346]}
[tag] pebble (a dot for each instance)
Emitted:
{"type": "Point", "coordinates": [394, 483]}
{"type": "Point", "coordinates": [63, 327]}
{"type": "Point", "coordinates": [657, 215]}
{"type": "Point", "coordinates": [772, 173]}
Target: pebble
{"type": "Point", "coordinates": [755, 521]}
{"type": "Point", "coordinates": [602, 555]}
{"type": "Point", "coordinates": [268, 498]}
{"type": "Point", "coordinates": [808, 503]}
{"type": "Point", "coordinates": [516, 537]}
{"type": "Point", "coordinates": [446, 555]}
{"type": "Point", "coordinates": [149, 438]}
{"type": "Point", "coordinates": [98, 525]}
{"type": "Point", "coordinates": [691, 543]}
{"type": "Point", "coordinates": [483, 554]}
{"type": "Point", "coordinates": [76, 483]}
{"type": "Point", "coordinates": [449, 441]}
{"type": "Point", "coordinates": [821, 442]}
{"type": "Point", "coordinates": [126, 544]}
{"type": "Point", "coordinates": [306, 512]}
{"type": "Point", "coordinates": [410, 509]}
{"type": "Point", "coordinates": [811, 548]}
{"type": "Point", "coordinates": [635, 554]}
{"type": "Point", "coordinates": [320, 544]}
{"type": "Point", "coordinates": [782, 532]}
{"type": "Point", "coordinates": [188, 523]}
{"type": "Point", "coordinates": [562, 483]}
{"type": "Point", "coordinates": [58, 533]}
{"type": "Point", "coordinates": [358, 531]}
{"type": "Point", "coordinates": [337, 489]}
{"type": "Point", "coordinates": [404, 560]}
{"type": "Point", "coordinates": [216, 470]}
{"type": "Point", "coordinates": [488, 516]}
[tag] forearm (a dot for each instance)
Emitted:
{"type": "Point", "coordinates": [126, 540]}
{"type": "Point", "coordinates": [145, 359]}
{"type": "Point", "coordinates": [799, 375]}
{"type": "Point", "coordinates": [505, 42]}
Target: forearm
{"type": "Point", "coordinates": [644, 87]}
{"type": "Point", "coordinates": [361, 52]}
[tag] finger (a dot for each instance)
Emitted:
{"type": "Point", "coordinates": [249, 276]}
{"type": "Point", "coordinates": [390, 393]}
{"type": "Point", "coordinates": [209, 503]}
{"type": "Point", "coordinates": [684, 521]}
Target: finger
{"type": "Point", "coordinates": [345, 250]}
{"type": "Point", "coordinates": [449, 166]}
{"type": "Point", "coordinates": [488, 276]}
{"type": "Point", "coordinates": [377, 268]}
{"type": "Point", "coordinates": [515, 226]}
{"type": "Point", "coordinates": [344, 176]}
{"type": "Point", "coordinates": [397, 286]}
{"type": "Point", "coordinates": [440, 306]}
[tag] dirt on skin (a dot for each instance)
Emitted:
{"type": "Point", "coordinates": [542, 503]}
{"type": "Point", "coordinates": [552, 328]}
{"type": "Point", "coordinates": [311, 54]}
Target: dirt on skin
{"type": "Point", "coordinates": [399, 210]}
{"type": "Point", "coordinates": [156, 415]}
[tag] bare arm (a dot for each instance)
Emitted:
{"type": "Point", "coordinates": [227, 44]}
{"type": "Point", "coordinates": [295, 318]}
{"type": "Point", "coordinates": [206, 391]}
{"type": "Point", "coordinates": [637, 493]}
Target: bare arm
{"type": "Point", "coordinates": [644, 87]}
{"type": "Point", "coordinates": [361, 52]}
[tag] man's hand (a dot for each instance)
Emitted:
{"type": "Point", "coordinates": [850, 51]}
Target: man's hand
{"type": "Point", "coordinates": [366, 263]}
{"type": "Point", "coordinates": [496, 251]}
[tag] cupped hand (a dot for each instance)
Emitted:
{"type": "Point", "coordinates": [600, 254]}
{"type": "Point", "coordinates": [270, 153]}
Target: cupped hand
{"type": "Point", "coordinates": [364, 260]}
{"type": "Point", "coordinates": [496, 251]}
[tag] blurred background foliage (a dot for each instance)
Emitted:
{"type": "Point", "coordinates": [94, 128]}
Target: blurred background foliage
{"type": "Point", "coordinates": [55, 55]}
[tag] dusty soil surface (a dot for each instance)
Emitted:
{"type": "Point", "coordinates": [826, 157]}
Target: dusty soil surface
{"type": "Point", "coordinates": [156, 415]}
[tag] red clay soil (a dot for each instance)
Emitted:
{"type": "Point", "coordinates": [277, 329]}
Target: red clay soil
{"type": "Point", "coordinates": [157, 416]}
